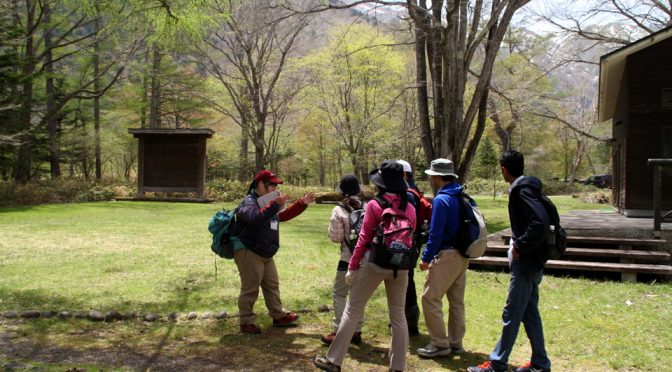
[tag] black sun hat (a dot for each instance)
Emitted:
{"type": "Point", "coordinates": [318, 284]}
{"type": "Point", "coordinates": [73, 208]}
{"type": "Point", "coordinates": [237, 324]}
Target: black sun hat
{"type": "Point", "coordinates": [390, 176]}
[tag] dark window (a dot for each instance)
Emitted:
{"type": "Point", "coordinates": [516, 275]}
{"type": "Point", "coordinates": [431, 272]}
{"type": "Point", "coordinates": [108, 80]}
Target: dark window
{"type": "Point", "coordinates": [667, 98]}
{"type": "Point", "coordinates": [667, 143]}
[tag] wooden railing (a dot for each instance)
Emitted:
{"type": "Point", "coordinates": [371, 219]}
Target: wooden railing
{"type": "Point", "coordinates": [658, 216]}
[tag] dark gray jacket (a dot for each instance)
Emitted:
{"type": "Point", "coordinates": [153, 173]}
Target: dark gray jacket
{"type": "Point", "coordinates": [529, 223]}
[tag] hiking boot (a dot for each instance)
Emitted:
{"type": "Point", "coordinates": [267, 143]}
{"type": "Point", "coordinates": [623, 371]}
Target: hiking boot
{"type": "Point", "coordinates": [329, 338]}
{"type": "Point", "coordinates": [431, 351]}
{"type": "Point", "coordinates": [250, 328]}
{"type": "Point", "coordinates": [325, 364]}
{"type": "Point", "coordinates": [485, 367]}
{"type": "Point", "coordinates": [286, 320]}
{"type": "Point", "coordinates": [529, 367]}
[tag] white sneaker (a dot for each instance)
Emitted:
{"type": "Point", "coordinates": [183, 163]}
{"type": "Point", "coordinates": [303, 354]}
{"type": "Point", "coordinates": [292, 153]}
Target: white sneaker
{"type": "Point", "coordinates": [431, 351]}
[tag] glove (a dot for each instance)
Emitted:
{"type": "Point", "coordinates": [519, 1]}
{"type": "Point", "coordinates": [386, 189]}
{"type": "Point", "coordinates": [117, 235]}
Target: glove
{"type": "Point", "coordinates": [350, 277]}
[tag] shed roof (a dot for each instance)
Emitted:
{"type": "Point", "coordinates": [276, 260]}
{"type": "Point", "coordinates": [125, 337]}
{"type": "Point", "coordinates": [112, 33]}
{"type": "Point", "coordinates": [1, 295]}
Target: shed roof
{"type": "Point", "coordinates": [170, 131]}
{"type": "Point", "coordinates": [612, 67]}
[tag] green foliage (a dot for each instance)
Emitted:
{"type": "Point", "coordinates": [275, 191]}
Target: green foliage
{"type": "Point", "coordinates": [487, 161]}
{"type": "Point", "coordinates": [234, 191]}
{"type": "Point", "coordinates": [226, 191]}
{"type": "Point", "coordinates": [482, 186]}
{"type": "Point", "coordinates": [557, 187]}
{"type": "Point", "coordinates": [359, 80]}
{"type": "Point", "coordinates": [59, 191]}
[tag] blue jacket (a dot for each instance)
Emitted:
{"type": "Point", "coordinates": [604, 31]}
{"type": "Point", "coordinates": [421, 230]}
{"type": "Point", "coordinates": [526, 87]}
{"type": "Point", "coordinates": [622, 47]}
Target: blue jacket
{"type": "Point", "coordinates": [529, 223]}
{"type": "Point", "coordinates": [445, 223]}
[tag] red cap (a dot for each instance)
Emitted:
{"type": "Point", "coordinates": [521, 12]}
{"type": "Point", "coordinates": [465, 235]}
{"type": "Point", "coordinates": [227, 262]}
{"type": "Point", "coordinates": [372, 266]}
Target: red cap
{"type": "Point", "coordinates": [267, 176]}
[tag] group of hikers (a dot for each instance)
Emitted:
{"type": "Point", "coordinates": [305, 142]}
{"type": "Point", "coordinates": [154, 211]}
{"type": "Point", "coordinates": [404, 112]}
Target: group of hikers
{"type": "Point", "coordinates": [402, 213]}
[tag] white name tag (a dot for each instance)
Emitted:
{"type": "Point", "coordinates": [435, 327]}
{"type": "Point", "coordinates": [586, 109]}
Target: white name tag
{"type": "Point", "coordinates": [274, 225]}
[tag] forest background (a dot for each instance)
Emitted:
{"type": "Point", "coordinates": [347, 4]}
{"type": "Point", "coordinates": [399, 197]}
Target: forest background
{"type": "Point", "coordinates": [310, 89]}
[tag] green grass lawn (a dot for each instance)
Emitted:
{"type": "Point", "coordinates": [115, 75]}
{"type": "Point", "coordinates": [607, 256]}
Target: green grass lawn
{"type": "Point", "coordinates": [155, 257]}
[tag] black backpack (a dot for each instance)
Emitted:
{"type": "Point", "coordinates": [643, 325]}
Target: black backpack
{"type": "Point", "coordinates": [556, 241]}
{"type": "Point", "coordinates": [356, 217]}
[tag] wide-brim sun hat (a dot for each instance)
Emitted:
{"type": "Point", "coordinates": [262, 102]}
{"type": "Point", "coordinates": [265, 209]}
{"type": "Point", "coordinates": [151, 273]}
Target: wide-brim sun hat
{"type": "Point", "coordinates": [441, 167]}
{"type": "Point", "coordinates": [390, 176]}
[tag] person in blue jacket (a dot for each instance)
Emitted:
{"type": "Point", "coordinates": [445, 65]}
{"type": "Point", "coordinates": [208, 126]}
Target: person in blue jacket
{"type": "Point", "coordinates": [527, 256]}
{"type": "Point", "coordinates": [446, 266]}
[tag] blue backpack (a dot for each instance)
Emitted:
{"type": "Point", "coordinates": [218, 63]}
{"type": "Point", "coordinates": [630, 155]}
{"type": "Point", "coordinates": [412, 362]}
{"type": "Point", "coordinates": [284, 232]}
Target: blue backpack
{"type": "Point", "coordinates": [220, 227]}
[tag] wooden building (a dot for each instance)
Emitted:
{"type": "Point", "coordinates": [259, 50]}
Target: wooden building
{"type": "Point", "coordinates": [635, 93]}
{"type": "Point", "coordinates": [171, 160]}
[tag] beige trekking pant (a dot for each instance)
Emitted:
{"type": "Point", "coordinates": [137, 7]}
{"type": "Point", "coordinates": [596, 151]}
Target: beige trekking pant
{"type": "Point", "coordinates": [256, 271]}
{"type": "Point", "coordinates": [340, 297]}
{"type": "Point", "coordinates": [447, 276]}
{"type": "Point", "coordinates": [366, 282]}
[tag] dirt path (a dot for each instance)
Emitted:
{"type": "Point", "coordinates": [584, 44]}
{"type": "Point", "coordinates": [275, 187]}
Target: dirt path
{"type": "Point", "coordinates": [18, 352]}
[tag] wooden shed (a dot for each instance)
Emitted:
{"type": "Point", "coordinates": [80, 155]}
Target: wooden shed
{"type": "Point", "coordinates": [171, 160]}
{"type": "Point", "coordinates": [635, 93]}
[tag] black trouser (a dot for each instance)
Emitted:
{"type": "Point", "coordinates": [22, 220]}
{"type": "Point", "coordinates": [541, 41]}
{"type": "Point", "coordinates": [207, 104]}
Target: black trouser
{"type": "Point", "coordinates": [411, 293]}
{"type": "Point", "coordinates": [411, 308]}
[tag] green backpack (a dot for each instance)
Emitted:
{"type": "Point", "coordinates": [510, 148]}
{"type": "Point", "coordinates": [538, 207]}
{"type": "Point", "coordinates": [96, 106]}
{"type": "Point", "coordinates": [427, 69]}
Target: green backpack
{"type": "Point", "coordinates": [220, 226]}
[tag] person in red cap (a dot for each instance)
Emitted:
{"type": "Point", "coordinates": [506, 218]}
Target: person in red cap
{"type": "Point", "coordinates": [257, 227]}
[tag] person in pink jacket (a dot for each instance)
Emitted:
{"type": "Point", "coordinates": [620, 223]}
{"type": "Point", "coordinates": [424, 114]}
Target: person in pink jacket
{"type": "Point", "coordinates": [365, 277]}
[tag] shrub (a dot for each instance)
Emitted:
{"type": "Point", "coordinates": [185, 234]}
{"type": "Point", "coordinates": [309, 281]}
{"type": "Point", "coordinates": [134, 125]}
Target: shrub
{"type": "Point", "coordinates": [556, 187]}
{"type": "Point", "coordinates": [234, 191]}
{"type": "Point", "coordinates": [69, 190]}
{"type": "Point", "coordinates": [482, 186]}
{"type": "Point", "coordinates": [226, 191]}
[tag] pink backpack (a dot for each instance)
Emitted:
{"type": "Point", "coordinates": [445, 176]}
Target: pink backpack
{"type": "Point", "coordinates": [392, 246]}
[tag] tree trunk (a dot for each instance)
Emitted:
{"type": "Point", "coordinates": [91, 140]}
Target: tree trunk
{"type": "Point", "coordinates": [434, 50]}
{"type": "Point", "coordinates": [84, 156]}
{"type": "Point", "coordinates": [451, 49]}
{"type": "Point", "coordinates": [503, 133]}
{"type": "Point", "coordinates": [24, 163]}
{"type": "Point", "coordinates": [145, 92]}
{"type": "Point", "coordinates": [422, 96]}
{"type": "Point", "coordinates": [155, 94]}
{"type": "Point", "coordinates": [469, 155]}
{"type": "Point", "coordinates": [52, 125]}
{"type": "Point", "coordinates": [465, 163]}
{"type": "Point", "coordinates": [96, 99]}
{"type": "Point", "coordinates": [260, 146]}
{"type": "Point", "coordinates": [581, 147]}
{"type": "Point", "coordinates": [243, 159]}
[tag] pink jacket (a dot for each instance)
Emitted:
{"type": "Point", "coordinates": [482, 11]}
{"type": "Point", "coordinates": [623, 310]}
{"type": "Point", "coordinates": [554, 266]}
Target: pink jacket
{"type": "Point", "coordinates": [371, 220]}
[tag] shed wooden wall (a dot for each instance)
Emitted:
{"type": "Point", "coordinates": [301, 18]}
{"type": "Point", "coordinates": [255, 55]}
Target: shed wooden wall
{"type": "Point", "coordinates": [648, 72]}
{"type": "Point", "coordinates": [171, 161]}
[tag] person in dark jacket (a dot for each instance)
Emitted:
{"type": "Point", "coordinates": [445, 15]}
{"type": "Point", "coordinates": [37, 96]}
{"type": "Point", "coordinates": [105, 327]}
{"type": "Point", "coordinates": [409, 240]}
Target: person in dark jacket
{"type": "Point", "coordinates": [529, 227]}
{"type": "Point", "coordinates": [257, 227]}
{"type": "Point", "coordinates": [423, 212]}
